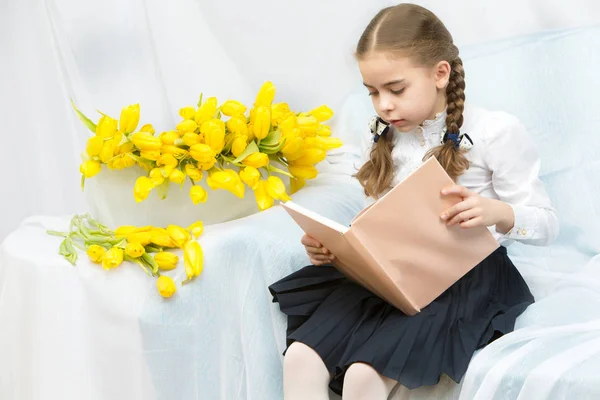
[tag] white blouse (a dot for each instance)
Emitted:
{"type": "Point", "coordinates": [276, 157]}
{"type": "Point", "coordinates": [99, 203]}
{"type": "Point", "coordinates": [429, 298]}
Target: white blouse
{"type": "Point", "coordinates": [504, 165]}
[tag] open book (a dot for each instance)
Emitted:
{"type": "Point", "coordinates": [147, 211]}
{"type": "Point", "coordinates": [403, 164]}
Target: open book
{"type": "Point", "coordinates": [399, 248]}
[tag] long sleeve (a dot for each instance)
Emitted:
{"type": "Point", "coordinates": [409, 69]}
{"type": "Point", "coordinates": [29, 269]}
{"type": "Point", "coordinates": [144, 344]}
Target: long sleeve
{"type": "Point", "coordinates": [515, 165]}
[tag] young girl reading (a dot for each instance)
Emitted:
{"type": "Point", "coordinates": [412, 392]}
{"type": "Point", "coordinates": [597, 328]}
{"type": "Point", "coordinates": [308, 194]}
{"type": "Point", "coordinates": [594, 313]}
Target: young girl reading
{"type": "Point", "coordinates": [341, 335]}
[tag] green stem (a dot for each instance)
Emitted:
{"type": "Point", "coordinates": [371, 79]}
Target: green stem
{"type": "Point", "coordinates": [56, 233]}
{"type": "Point", "coordinates": [280, 171]}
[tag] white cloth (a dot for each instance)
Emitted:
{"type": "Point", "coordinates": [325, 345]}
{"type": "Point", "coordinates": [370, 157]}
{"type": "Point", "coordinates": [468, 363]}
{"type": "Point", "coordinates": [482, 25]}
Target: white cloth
{"type": "Point", "coordinates": [504, 165]}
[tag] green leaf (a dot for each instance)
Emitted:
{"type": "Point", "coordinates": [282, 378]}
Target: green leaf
{"type": "Point", "coordinates": [272, 138]}
{"type": "Point", "coordinates": [200, 101]}
{"type": "Point", "coordinates": [279, 171]}
{"type": "Point", "coordinates": [272, 149]}
{"type": "Point", "coordinates": [250, 149]}
{"type": "Point", "coordinates": [86, 121]}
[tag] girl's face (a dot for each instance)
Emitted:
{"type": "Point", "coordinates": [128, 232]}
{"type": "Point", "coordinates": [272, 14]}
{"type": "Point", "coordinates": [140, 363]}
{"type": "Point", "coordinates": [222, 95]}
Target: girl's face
{"type": "Point", "coordinates": [404, 93]}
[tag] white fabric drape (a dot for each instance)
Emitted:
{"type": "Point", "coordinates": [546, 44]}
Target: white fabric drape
{"type": "Point", "coordinates": [65, 326]}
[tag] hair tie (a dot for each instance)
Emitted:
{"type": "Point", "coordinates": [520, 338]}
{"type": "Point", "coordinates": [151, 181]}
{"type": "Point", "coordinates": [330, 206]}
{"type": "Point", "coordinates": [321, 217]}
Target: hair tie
{"type": "Point", "coordinates": [378, 127]}
{"type": "Point", "coordinates": [462, 141]}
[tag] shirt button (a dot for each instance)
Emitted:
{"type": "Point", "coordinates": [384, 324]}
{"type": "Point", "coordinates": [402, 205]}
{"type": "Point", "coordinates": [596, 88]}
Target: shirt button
{"type": "Point", "coordinates": [422, 142]}
{"type": "Point", "coordinates": [420, 130]}
{"type": "Point", "coordinates": [524, 232]}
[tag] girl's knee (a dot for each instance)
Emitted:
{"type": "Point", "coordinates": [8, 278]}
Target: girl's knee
{"type": "Point", "coordinates": [360, 374]}
{"type": "Point", "coordinates": [299, 357]}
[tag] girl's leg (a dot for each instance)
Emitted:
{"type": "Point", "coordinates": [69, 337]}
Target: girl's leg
{"type": "Point", "coordinates": [304, 374]}
{"type": "Point", "coordinates": [363, 382]}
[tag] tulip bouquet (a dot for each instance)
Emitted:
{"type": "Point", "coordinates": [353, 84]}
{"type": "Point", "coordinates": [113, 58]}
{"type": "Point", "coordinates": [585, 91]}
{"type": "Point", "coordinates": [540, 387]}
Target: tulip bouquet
{"type": "Point", "coordinates": [225, 143]}
{"type": "Point", "coordinates": [145, 246]}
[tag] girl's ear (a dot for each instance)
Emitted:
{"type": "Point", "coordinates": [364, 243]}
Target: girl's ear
{"type": "Point", "coordinates": [442, 74]}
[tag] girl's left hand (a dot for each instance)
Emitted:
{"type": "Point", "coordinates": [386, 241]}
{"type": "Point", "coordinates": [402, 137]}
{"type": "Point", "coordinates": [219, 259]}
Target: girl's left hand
{"type": "Point", "coordinates": [475, 210]}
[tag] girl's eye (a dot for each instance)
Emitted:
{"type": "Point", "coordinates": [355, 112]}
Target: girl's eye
{"type": "Point", "coordinates": [397, 91]}
{"type": "Point", "coordinates": [372, 93]}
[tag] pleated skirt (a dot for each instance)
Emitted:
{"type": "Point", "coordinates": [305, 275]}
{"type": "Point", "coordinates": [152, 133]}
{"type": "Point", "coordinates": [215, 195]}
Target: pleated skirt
{"type": "Point", "coordinates": [346, 323]}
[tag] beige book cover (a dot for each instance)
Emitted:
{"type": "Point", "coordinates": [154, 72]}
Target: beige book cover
{"type": "Point", "coordinates": [399, 248]}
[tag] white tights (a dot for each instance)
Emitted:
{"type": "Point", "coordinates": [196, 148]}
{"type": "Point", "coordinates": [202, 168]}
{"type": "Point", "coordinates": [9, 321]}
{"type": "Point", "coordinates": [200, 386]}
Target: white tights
{"type": "Point", "coordinates": [306, 377]}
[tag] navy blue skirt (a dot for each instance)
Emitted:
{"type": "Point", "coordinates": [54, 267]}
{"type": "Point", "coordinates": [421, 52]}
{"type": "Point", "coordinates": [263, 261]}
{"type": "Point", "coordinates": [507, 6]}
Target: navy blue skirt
{"type": "Point", "coordinates": [346, 323]}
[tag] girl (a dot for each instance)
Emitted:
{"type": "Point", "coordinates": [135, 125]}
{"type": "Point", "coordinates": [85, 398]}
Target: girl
{"type": "Point", "coordinates": [341, 335]}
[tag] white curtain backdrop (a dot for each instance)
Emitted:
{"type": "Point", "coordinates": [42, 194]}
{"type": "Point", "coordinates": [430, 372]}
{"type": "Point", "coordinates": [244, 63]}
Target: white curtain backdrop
{"type": "Point", "coordinates": [106, 54]}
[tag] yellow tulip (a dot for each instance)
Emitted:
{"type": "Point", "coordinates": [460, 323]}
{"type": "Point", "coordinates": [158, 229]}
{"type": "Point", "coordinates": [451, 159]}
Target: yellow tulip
{"type": "Point", "coordinates": [166, 261]}
{"type": "Point", "coordinates": [178, 234]}
{"type": "Point", "coordinates": [233, 107]}
{"type": "Point", "coordinates": [134, 250]}
{"type": "Point", "coordinates": [293, 146]}
{"type": "Point", "coordinates": [107, 127]}
{"type": "Point", "coordinates": [303, 171]}
{"type": "Point", "coordinates": [160, 237]}
{"type": "Point", "coordinates": [196, 229]}
{"type": "Point", "coordinates": [215, 138]}
{"type": "Point", "coordinates": [207, 165]}
{"type": "Point", "coordinates": [262, 122]}
{"type": "Point", "coordinates": [191, 138]}
{"type": "Point", "coordinates": [152, 155]}
{"type": "Point", "coordinates": [250, 176]}
{"type": "Point", "coordinates": [276, 189]}
{"type": "Point", "coordinates": [142, 188]}
{"type": "Point", "coordinates": [124, 230]}
{"type": "Point", "coordinates": [148, 128]}
{"type": "Point", "coordinates": [202, 153]}
{"type": "Point", "coordinates": [188, 112]}
{"type": "Point", "coordinates": [108, 151]}
{"type": "Point", "coordinates": [96, 253]}
{"type": "Point", "coordinates": [237, 125]}
{"type": "Point", "coordinates": [177, 152]}
{"type": "Point", "coordinates": [311, 157]}
{"type": "Point", "coordinates": [187, 126]}
{"type": "Point", "coordinates": [198, 194]}
{"type": "Point", "coordinates": [126, 147]}
{"type": "Point", "coordinates": [90, 168]}
{"type": "Point", "coordinates": [146, 142]}
{"type": "Point", "coordinates": [296, 184]}
{"type": "Point", "coordinates": [211, 124]}
{"type": "Point", "coordinates": [324, 143]}
{"type": "Point", "coordinates": [279, 112]}
{"type": "Point", "coordinates": [130, 117]}
{"type": "Point", "coordinates": [121, 161]}
{"type": "Point", "coordinates": [156, 176]}
{"type": "Point", "coordinates": [168, 137]}
{"type": "Point", "coordinates": [324, 130]}
{"type": "Point", "coordinates": [193, 172]}
{"type": "Point", "coordinates": [193, 258]}
{"type": "Point", "coordinates": [168, 160]}
{"type": "Point", "coordinates": [265, 95]}
{"type": "Point", "coordinates": [206, 111]}
{"type": "Point", "coordinates": [177, 176]}
{"type": "Point", "coordinates": [227, 179]}
{"type": "Point", "coordinates": [94, 145]}
{"type": "Point", "coordinates": [288, 124]}
{"type": "Point", "coordinates": [166, 286]}
{"type": "Point", "coordinates": [321, 113]}
{"type": "Point", "coordinates": [263, 200]}
{"type": "Point", "coordinates": [308, 125]}
{"type": "Point", "coordinates": [239, 145]}
{"type": "Point", "coordinates": [256, 160]}
{"type": "Point", "coordinates": [113, 258]}
{"type": "Point", "coordinates": [142, 238]}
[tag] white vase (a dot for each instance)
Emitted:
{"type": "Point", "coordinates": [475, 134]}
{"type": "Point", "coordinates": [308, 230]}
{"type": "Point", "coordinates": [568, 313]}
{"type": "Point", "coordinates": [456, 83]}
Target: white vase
{"type": "Point", "coordinates": [109, 196]}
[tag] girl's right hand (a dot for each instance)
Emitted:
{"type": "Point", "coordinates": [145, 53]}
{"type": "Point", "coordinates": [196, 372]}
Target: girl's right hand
{"type": "Point", "coordinates": [318, 254]}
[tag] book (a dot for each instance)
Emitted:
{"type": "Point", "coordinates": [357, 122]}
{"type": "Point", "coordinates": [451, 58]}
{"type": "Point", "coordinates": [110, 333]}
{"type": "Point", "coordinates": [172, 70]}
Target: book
{"type": "Point", "coordinates": [399, 248]}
